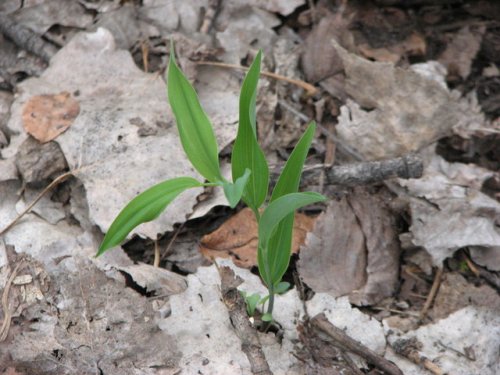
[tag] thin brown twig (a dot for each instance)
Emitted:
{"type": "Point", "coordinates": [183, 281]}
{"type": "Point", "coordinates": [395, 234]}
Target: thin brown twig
{"type": "Point", "coordinates": [211, 13]}
{"type": "Point", "coordinates": [54, 183]}
{"type": "Point", "coordinates": [145, 55]}
{"type": "Point", "coordinates": [310, 89]}
{"type": "Point", "coordinates": [172, 240]}
{"type": "Point", "coordinates": [432, 293]}
{"type": "Point", "coordinates": [4, 330]}
{"type": "Point", "coordinates": [345, 342]}
{"type": "Point", "coordinates": [156, 262]}
{"type": "Point", "coordinates": [409, 348]}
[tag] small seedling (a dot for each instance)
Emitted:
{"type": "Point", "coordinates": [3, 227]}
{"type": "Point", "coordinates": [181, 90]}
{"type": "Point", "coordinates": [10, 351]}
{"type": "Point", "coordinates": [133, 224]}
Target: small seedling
{"type": "Point", "coordinates": [252, 301]}
{"type": "Point", "coordinates": [250, 175]}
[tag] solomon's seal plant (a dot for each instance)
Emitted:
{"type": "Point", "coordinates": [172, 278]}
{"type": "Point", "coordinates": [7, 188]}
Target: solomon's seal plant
{"type": "Point", "coordinates": [250, 179]}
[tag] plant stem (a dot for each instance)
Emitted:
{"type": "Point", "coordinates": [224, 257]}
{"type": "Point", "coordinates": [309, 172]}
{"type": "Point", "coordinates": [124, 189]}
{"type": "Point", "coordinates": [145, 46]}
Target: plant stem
{"type": "Point", "coordinates": [270, 306]}
{"type": "Point", "coordinates": [257, 214]}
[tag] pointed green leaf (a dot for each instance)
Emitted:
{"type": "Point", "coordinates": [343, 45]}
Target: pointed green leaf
{"type": "Point", "coordinates": [288, 182]}
{"type": "Point", "coordinates": [246, 150]}
{"type": "Point", "coordinates": [234, 191]}
{"type": "Point", "coordinates": [195, 130]}
{"type": "Point", "coordinates": [281, 287]}
{"type": "Point", "coordinates": [289, 179]}
{"type": "Point", "coordinates": [145, 207]}
{"type": "Point", "coordinates": [270, 264]}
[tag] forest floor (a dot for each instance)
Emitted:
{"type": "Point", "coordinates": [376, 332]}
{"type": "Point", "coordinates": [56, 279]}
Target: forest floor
{"type": "Point", "coordinates": [398, 273]}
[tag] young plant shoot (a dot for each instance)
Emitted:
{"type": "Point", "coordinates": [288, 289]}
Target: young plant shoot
{"type": "Point", "coordinates": [250, 175]}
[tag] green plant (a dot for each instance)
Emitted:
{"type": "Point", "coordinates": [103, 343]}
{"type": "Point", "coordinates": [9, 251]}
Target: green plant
{"type": "Point", "coordinates": [250, 175]}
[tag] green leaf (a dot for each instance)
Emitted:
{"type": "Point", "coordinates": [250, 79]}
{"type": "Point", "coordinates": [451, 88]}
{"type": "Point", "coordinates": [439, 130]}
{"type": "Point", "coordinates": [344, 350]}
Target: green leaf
{"type": "Point", "coordinates": [267, 317]}
{"type": "Point", "coordinates": [272, 265]}
{"type": "Point", "coordinates": [195, 130]}
{"type": "Point", "coordinates": [145, 207]}
{"type": "Point", "coordinates": [234, 191]}
{"type": "Point", "coordinates": [252, 302]}
{"type": "Point", "coordinates": [282, 287]}
{"type": "Point", "coordinates": [289, 179]}
{"type": "Point", "coordinates": [246, 150]}
{"type": "Point", "coordinates": [288, 182]}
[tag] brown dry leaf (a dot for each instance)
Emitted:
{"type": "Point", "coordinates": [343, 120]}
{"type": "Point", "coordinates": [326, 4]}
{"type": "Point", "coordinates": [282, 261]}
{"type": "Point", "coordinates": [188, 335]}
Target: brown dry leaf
{"type": "Point", "coordinates": [413, 45]}
{"type": "Point", "coordinates": [456, 293]}
{"type": "Point", "coordinates": [353, 250]}
{"type": "Point", "coordinates": [320, 60]}
{"type": "Point", "coordinates": [47, 116]}
{"type": "Point", "coordinates": [237, 238]}
{"type": "Point", "coordinates": [11, 371]}
{"type": "Point", "coordinates": [462, 50]}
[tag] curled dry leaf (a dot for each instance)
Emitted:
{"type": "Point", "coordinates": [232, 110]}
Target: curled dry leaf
{"type": "Point", "coordinates": [237, 238]}
{"type": "Point", "coordinates": [353, 250]}
{"type": "Point", "coordinates": [47, 116]}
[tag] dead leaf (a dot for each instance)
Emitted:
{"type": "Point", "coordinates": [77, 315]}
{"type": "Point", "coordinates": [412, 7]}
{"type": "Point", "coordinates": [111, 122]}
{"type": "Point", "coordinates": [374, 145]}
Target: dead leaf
{"type": "Point", "coordinates": [11, 371]}
{"type": "Point", "coordinates": [353, 250]}
{"type": "Point", "coordinates": [488, 257]}
{"type": "Point", "coordinates": [407, 110]}
{"type": "Point", "coordinates": [47, 116]}
{"type": "Point", "coordinates": [413, 45]}
{"type": "Point", "coordinates": [444, 342]}
{"type": "Point", "coordinates": [237, 238]}
{"type": "Point", "coordinates": [155, 279]}
{"type": "Point", "coordinates": [42, 16]}
{"type": "Point", "coordinates": [283, 7]}
{"type": "Point", "coordinates": [237, 19]}
{"type": "Point", "coordinates": [333, 259]}
{"type": "Point", "coordinates": [320, 59]}
{"type": "Point", "coordinates": [456, 293]}
{"type": "Point", "coordinates": [462, 50]}
{"type": "Point", "coordinates": [451, 212]}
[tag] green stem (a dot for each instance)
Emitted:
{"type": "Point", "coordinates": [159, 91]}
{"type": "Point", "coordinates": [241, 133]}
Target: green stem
{"type": "Point", "coordinates": [270, 306]}
{"type": "Point", "coordinates": [257, 214]}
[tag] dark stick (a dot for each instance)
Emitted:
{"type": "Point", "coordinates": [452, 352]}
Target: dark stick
{"type": "Point", "coordinates": [235, 304]}
{"type": "Point", "coordinates": [363, 173]}
{"type": "Point", "coordinates": [343, 341]}
{"type": "Point", "coordinates": [408, 166]}
{"type": "Point", "coordinates": [25, 38]}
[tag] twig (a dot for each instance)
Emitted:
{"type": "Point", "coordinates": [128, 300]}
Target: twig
{"type": "Point", "coordinates": [310, 89]}
{"type": "Point", "coordinates": [409, 348]}
{"type": "Point", "coordinates": [235, 304]}
{"type": "Point", "coordinates": [395, 311]}
{"type": "Point", "coordinates": [363, 173]}
{"type": "Point", "coordinates": [344, 342]}
{"type": "Point", "coordinates": [432, 293]}
{"type": "Point", "coordinates": [172, 240]}
{"type": "Point", "coordinates": [156, 262]}
{"type": "Point", "coordinates": [211, 13]}
{"type": "Point", "coordinates": [7, 315]}
{"type": "Point", "coordinates": [54, 183]}
{"type": "Point", "coordinates": [350, 363]}
{"type": "Point", "coordinates": [25, 38]}
{"type": "Point", "coordinates": [145, 55]}
{"type": "Point", "coordinates": [408, 166]}
{"type": "Point", "coordinates": [491, 277]}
